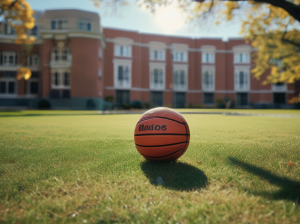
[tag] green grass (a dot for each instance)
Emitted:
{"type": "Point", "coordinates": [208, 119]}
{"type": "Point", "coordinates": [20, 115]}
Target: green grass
{"type": "Point", "coordinates": [85, 168]}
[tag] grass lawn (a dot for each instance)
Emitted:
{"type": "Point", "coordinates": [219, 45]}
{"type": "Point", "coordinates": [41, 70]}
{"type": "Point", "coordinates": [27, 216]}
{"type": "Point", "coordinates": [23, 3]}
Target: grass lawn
{"type": "Point", "coordinates": [85, 169]}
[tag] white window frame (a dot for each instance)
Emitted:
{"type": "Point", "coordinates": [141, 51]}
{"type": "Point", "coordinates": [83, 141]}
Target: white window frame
{"type": "Point", "coordinates": [120, 49]}
{"type": "Point", "coordinates": [100, 53]}
{"type": "Point", "coordinates": [100, 73]}
{"type": "Point", "coordinates": [28, 86]}
{"type": "Point", "coordinates": [159, 66]}
{"type": "Point", "coordinates": [60, 53]}
{"type": "Point", "coordinates": [61, 73]}
{"type": "Point", "coordinates": [7, 80]}
{"type": "Point", "coordinates": [154, 54]}
{"type": "Point", "coordinates": [211, 70]}
{"type": "Point", "coordinates": [208, 57]}
{"type": "Point", "coordinates": [176, 68]}
{"type": "Point", "coordinates": [123, 63]}
{"type": "Point", "coordinates": [237, 70]}
{"type": "Point", "coordinates": [7, 54]}
{"type": "Point", "coordinates": [84, 22]}
{"type": "Point", "coordinates": [279, 89]}
{"type": "Point", "coordinates": [33, 57]}
{"type": "Point", "coordinates": [244, 51]}
{"type": "Point", "coordinates": [64, 26]}
{"type": "Point", "coordinates": [180, 56]}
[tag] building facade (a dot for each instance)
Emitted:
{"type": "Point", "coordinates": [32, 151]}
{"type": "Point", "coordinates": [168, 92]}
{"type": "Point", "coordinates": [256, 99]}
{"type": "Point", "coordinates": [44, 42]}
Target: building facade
{"type": "Point", "coordinates": [73, 57]}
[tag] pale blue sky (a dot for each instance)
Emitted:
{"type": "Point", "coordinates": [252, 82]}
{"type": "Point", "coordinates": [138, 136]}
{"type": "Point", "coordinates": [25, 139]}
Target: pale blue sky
{"type": "Point", "coordinates": [167, 20]}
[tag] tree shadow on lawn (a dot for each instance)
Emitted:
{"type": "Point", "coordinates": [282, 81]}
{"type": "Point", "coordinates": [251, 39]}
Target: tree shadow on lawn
{"type": "Point", "coordinates": [289, 189]}
{"type": "Point", "coordinates": [175, 175]}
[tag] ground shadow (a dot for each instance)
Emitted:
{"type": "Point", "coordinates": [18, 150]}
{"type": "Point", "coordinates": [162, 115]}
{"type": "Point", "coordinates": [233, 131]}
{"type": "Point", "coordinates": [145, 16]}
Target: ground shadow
{"type": "Point", "coordinates": [175, 175]}
{"type": "Point", "coordinates": [289, 189]}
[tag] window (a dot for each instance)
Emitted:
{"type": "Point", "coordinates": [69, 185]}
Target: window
{"type": "Point", "coordinates": [279, 98]}
{"type": "Point", "coordinates": [8, 30]}
{"type": "Point", "coordinates": [180, 80]}
{"type": "Point", "coordinates": [34, 31]}
{"type": "Point", "coordinates": [241, 57]}
{"type": "Point", "coordinates": [208, 98]}
{"type": "Point", "coordinates": [157, 78]}
{"type": "Point", "coordinates": [208, 82]}
{"type": "Point", "coordinates": [208, 57]}
{"type": "Point", "coordinates": [33, 60]}
{"type": "Point", "coordinates": [100, 73]}
{"type": "Point", "coordinates": [123, 51]}
{"type": "Point", "coordinates": [122, 97]}
{"type": "Point", "coordinates": [7, 86]}
{"type": "Point", "coordinates": [100, 53]}
{"type": "Point", "coordinates": [279, 87]}
{"type": "Point", "coordinates": [156, 98]}
{"type": "Point", "coordinates": [179, 100]}
{"type": "Point", "coordinates": [33, 87]}
{"type": "Point", "coordinates": [85, 25]}
{"type": "Point", "coordinates": [8, 58]}
{"type": "Point", "coordinates": [180, 56]}
{"type": "Point", "coordinates": [122, 73]}
{"type": "Point", "coordinates": [59, 24]}
{"type": "Point", "coordinates": [61, 54]}
{"type": "Point", "coordinates": [61, 80]}
{"type": "Point", "coordinates": [242, 99]}
{"type": "Point", "coordinates": [241, 78]}
{"type": "Point", "coordinates": [158, 55]}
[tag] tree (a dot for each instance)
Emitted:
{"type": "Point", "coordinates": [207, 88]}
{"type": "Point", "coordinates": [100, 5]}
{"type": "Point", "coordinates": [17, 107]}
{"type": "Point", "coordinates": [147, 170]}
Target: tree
{"type": "Point", "coordinates": [19, 15]}
{"type": "Point", "coordinates": [271, 26]}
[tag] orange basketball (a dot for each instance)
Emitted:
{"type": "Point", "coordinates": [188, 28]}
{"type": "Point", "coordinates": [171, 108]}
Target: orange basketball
{"type": "Point", "coordinates": [161, 134]}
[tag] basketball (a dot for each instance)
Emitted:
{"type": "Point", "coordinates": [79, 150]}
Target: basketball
{"type": "Point", "coordinates": [161, 134]}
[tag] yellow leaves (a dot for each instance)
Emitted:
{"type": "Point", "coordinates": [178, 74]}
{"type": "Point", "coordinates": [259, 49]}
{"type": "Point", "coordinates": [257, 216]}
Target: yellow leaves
{"type": "Point", "coordinates": [23, 72]}
{"type": "Point", "coordinates": [295, 99]}
{"type": "Point", "coordinates": [291, 164]}
{"type": "Point", "coordinates": [19, 16]}
{"type": "Point", "coordinates": [230, 6]}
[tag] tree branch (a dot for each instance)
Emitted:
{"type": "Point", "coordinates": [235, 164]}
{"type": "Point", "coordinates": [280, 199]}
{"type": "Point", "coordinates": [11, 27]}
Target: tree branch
{"type": "Point", "coordinates": [291, 8]}
{"type": "Point", "coordinates": [10, 6]}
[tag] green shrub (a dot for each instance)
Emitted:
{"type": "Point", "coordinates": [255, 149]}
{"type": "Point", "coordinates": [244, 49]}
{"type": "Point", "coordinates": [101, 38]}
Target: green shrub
{"type": "Point", "coordinates": [109, 99]}
{"type": "Point", "coordinates": [146, 105]}
{"type": "Point", "coordinates": [43, 104]}
{"type": "Point", "coordinates": [221, 103]}
{"type": "Point", "coordinates": [126, 106]}
{"type": "Point", "coordinates": [136, 104]}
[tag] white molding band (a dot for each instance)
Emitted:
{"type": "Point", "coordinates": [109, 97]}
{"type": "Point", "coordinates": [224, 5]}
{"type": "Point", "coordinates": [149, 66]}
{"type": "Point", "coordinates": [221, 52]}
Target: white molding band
{"type": "Point", "coordinates": [173, 46]}
{"type": "Point", "coordinates": [201, 91]}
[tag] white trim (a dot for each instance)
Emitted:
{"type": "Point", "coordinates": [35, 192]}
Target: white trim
{"type": "Point", "coordinates": [201, 91]}
{"type": "Point", "coordinates": [211, 69]}
{"type": "Point", "coordinates": [124, 63]}
{"type": "Point", "coordinates": [181, 67]}
{"type": "Point", "coordinates": [152, 67]}
{"type": "Point", "coordinates": [28, 87]}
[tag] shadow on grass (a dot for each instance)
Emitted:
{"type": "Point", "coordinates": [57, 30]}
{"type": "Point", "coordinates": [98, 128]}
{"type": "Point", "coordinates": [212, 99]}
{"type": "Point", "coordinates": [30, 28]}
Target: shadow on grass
{"type": "Point", "coordinates": [289, 189]}
{"type": "Point", "coordinates": [175, 175]}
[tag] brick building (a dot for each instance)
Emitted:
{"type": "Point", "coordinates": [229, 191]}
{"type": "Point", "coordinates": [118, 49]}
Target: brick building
{"type": "Point", "coordinates": [75, 58]}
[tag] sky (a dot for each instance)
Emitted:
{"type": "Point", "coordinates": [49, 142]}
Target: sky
{"type": "Point", "coordinates": [166, 21]}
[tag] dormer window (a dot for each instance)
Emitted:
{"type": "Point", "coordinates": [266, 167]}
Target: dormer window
{"type": "Point", "coordinates": [59, 24]}
{"type": "Point", "coordinates": [85, 25]}
{"type": "Point", "coordinates": [123, 51]}
{"type": "Point", "coordinates": [180, 56]}
{"type": "Point", "coordinates": [242, 54]}
{"type": "Point", "coordinates": [158, 55]}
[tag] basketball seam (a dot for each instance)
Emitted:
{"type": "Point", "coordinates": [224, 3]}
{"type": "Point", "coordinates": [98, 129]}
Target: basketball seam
{"type": "Point", "coordinates": [159, 145]}
{"type": "Point", "coordinates": [149, 118]}
{"type": "Point", "coordinates": [160, 134]}
{"type": "Point", "coordinates": [163, 156]}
